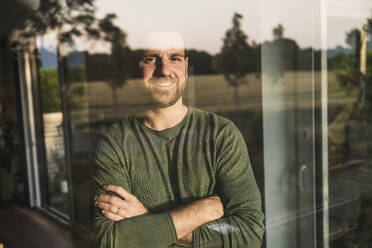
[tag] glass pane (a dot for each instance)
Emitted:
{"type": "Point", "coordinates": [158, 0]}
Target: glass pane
{"type": "Point", "coordinates": [349, 122]}
{"type": "Point", "coordinates": [77, 113]}
{"type": "Point", "coordinates": [52, 117]}
{"type": "Point", "coordinates": [290, 66]}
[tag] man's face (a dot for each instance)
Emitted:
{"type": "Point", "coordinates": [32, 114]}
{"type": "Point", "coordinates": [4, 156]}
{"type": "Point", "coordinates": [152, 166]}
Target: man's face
{"type": "Point", "coordinates": [164, 75]}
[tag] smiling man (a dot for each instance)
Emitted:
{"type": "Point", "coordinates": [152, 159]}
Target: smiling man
{"type": "Point", "coordinates": [176, 176]}
{"type": "Point", "coordinates": [164, 66]}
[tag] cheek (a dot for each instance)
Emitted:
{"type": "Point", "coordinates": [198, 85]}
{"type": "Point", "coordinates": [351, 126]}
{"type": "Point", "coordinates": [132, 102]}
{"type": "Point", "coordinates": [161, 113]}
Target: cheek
{"type": "Point", "coordinates": [181, 72]}
{"type": "Point", "coordinates": [147, 73]}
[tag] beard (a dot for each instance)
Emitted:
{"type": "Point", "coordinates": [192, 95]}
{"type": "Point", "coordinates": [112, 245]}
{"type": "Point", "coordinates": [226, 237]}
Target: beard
{"type": "Point", "coordinates": [164, 97]}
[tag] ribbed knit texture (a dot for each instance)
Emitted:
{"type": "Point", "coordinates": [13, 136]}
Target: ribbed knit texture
{"type": "Point", "coordinates": [205, 154]}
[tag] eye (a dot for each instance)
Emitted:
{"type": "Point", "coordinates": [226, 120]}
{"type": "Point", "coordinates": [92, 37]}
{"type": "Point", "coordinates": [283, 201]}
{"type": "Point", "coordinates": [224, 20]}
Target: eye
{"type": "Point", "coordinates": [177, 58]}
{"type": "Point", "coordinates": [149, 60]}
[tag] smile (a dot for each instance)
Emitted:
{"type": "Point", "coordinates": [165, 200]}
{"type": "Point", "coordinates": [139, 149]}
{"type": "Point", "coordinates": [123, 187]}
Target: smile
{"type": "Point", "coordinates": [162, 84]}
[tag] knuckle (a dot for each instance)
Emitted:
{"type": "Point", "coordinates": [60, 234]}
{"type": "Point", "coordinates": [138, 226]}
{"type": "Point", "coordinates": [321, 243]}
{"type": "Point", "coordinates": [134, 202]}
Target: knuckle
{"type": "Point", "coordinates": [108, 188]}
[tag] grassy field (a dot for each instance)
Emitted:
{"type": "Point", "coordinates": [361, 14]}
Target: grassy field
{"type": "Point", "coordinates": [213, 93]}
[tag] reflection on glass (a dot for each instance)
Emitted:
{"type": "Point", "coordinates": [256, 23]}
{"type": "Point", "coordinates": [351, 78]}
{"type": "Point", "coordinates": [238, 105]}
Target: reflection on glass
{"type": "Point", "coordinates": [350, 131]}
{"type": "Point", "coordinates": [52, 117]}
{"type": "Point", "coordinates": [287, 86]}
{"type": "Point", "coordinates": [78, 119]}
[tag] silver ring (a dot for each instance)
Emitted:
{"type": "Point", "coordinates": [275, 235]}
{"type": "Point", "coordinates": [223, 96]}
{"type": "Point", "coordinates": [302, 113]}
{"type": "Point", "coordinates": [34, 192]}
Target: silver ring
{"type": "Point", "coordinates": [118, 211]}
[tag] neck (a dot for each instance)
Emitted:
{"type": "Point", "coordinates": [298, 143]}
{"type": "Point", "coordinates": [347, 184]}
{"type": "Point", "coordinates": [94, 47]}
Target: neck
{"type": "Point", "coordinates": [163, 118]}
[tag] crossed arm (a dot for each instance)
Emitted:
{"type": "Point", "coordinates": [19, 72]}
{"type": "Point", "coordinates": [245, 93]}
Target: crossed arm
{"type": "Point", "coordinates": [185, 219]}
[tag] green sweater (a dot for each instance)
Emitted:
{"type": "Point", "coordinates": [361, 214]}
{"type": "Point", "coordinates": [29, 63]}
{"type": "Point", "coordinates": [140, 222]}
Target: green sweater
{"type": "Point", "coordinates": [203, 155]}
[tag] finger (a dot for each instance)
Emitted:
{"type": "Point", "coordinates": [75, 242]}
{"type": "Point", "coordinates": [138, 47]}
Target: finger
{"type": "Point", "coordinates": [120, 191]}
{"type": "Point", "coordinates": [110, 199]}
{"type": "Point", "coordinates": [111, 215]}
{"type": "Point", "coordinates": [111, 208]}
{"type": "Point", "coordinates": [107, 206]}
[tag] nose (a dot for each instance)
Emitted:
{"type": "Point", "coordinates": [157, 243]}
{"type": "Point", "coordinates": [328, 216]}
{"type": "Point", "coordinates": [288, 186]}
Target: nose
{"type": "Point", "coordinates": [164, 67]}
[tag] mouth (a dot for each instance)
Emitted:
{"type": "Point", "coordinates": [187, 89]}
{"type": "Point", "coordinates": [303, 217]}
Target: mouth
{"type": "Point", "coordinates": [162, 84]}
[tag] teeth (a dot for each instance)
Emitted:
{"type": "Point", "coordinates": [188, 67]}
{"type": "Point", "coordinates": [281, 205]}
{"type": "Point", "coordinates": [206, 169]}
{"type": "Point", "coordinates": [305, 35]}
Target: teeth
{"type": "Point", "coordinates": [163, 84]}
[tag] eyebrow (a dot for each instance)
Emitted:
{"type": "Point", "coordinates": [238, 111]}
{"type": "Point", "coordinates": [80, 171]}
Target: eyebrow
{"type": "Point", "coordinates": [151, 55]}
{"type": "Point", "coordinates": [171, 55]}
{"type": "Point", "coordinates": [177, 54]}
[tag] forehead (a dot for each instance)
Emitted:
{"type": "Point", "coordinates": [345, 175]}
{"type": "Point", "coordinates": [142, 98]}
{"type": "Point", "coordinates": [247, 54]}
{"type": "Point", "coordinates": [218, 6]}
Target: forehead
{"type": "Point", "coordinates": [164, 41]}
{"type": "Point", "coordinates": [162, 52]}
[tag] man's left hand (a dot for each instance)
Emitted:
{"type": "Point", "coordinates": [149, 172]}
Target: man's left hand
{"type": "Point", "coordinates": [115, 208]}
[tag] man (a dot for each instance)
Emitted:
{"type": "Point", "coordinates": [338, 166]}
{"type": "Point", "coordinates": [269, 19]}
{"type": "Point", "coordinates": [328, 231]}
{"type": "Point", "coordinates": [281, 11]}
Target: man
{"type": "Point", "coordinates": [176, 176]}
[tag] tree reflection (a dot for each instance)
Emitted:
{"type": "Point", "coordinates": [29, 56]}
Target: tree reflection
{"type": "Point", "coordinates": [69, 19]}
{"type": "Point", "coordinates": [237, 57]}
{"type": "Point", "coordinates": [75, 19]}
{"type": "Point", "coordinates": [353, 73]}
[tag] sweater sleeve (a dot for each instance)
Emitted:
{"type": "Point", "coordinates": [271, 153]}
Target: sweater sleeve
{"type": "Point", "coordinates": [150, 230]}
{"type": "Point", "coordinates": [242, 224]}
